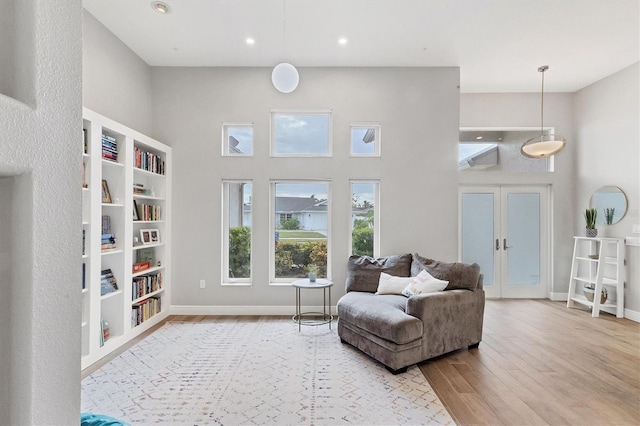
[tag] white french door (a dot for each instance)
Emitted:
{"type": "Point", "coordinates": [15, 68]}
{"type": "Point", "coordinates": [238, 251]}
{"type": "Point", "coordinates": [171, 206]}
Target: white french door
{"type": "Point", "coordinates": [505, 229]}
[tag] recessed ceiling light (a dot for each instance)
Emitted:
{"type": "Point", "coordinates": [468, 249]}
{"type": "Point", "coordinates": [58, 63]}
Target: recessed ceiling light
{"type": "Point", "coordinates": [343, 40]}
{"type": "Point", "coordinates": [478, 138]}
{"type": "Point", "coordinates": [249, 40]}
{"type": "Point", "coordinates": [160, 7]}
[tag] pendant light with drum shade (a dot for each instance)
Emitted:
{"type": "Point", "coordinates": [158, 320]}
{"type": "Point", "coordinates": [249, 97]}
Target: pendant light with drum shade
{"type": "Point", "coordinates": [544, 145]}
{"type": "Point", "coordinates": [285, 76]}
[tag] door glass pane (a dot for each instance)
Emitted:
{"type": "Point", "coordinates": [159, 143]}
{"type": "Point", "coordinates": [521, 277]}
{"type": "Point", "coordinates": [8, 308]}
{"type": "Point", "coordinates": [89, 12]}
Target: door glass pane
{"type": "Point", "coordinates": [523, 231]}
{"type": "Point", "coordinates": [478, 245]}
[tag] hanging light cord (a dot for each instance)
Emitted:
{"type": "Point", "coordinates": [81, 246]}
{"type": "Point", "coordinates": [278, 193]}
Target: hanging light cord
{"type": "Point", "coordinates": [542, 69]}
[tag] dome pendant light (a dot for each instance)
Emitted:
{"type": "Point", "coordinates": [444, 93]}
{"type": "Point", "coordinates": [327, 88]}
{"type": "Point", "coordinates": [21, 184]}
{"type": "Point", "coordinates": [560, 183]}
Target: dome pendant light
{"type": "Point", "coordinates": [285, 76]}
{"type": "Point", "coordinates": [544, 145]}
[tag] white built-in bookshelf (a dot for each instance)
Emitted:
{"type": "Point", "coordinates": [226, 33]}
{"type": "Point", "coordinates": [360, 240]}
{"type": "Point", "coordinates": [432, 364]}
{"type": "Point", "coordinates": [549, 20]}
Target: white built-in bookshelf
{"type": "Point", "coordinates": [126, 231]}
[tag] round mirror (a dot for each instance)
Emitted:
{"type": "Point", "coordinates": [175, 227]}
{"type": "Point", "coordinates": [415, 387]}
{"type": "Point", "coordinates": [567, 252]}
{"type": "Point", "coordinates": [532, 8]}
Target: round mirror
{"type": "Point", "coordinates": [610, 203]}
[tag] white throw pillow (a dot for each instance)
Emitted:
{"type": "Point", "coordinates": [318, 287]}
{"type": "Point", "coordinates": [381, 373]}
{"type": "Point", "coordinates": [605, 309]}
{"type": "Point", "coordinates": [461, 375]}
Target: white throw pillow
{"type": "Point", "coordinates": [424, 282]}
{"type": "Point", "coordinates": [389, 284]}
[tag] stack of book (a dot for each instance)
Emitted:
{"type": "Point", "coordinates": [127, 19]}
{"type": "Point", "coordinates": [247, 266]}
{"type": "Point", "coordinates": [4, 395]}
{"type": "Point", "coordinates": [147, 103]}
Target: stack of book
{"type": "Point", "coordinates": [139, 189]}
{"type": "Point", "coordinates": [108, 242]}
{"type": "Point", "coordinates": [109, 148]}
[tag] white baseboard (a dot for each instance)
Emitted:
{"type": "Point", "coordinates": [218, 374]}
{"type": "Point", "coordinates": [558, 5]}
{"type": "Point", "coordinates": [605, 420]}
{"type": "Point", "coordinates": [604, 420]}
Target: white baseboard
{"type": "Point", "coordinates": [242, 310]}
{"type": "Point", "coordinates": [632, 315]}
{"type": "Point", "coordinates": [558, 297]}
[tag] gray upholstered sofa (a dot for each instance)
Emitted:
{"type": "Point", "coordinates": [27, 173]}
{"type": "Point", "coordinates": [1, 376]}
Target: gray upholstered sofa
{"type": "Point", "coordinates": [400, 331]}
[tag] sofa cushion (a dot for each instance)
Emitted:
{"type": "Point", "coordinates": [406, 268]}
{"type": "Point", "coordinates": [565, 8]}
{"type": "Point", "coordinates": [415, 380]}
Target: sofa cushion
{"type": "Point", "coordinates": [459, 275]}
{"type": "Point", "coordinates": [390, 284]}
{"type": "Point", "coordinates": [381, 315]}
{"type": "Point", "coordinates": [423, 283]}
{"type": "Point", "coordinates": [363, 272]}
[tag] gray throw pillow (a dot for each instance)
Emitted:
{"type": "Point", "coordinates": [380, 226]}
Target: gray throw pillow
{"type": "Point", "coordinates": [363, 272]}
{"type": "Point", "coordinates": [459, 275]}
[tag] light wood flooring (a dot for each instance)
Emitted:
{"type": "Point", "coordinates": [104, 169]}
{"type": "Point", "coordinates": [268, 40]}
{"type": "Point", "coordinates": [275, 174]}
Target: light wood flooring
{"type": "Point", "coordinates": [541, 363]}
{"type": "Point", "coordinates": [538, 363]}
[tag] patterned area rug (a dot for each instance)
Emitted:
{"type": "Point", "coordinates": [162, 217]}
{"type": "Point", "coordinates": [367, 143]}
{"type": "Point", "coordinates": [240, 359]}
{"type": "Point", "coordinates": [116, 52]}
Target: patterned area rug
{"type": "Point", "coordinates": [256, 372]}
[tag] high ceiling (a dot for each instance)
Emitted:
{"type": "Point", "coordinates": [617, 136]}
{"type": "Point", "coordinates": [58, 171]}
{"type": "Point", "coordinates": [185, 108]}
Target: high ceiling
{"type": "Point", "coordinates": [498, 44]}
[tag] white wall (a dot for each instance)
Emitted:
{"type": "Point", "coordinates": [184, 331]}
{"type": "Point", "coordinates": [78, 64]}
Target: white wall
{"type": "Point", "coordinates": [417, 109]}
{"type": "Point", "coordinates": [40, 166]}
{"type": "Point", "coordinates": [115, 81]}
{"type": "Point", "coordinates": [523, 111]}
{"type": "Point", "coordinates": [607, 123]}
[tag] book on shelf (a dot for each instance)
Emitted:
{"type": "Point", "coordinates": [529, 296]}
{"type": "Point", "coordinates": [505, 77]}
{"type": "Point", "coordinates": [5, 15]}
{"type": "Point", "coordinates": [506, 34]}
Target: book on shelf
{"type": "Point", "coordinates": [148, 161]}
{"type": "Point", "coordinates": [106, 224]}
{"type": "Point", "coordinates": [145, 284]}
{"type": "Point", "coordinates": [84, 275]}
{"type": "Point", "coordinates": [85, 142]}
{"type": "Point", "coordinates": [142, 311]}
{"type": "Point", "coordinates": [84, 241]}
{"type": "Point", "coordinates": [148, 212]}
{"type": "Point", "coordinates": [108, 282]}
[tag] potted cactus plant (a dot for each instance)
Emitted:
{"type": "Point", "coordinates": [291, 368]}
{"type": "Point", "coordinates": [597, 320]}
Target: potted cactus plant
{"type": "Point", "coordinates": [590, 216]}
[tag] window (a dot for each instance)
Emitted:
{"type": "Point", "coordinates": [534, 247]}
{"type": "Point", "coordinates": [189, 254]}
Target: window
{"type": "Point", "coordinates": [301, 134]}
{"type": "Point", "coordinates": [301, 238]}
{"type": "Point", "coordinates": [365, 140]}
{"type": "Point", "coordinates": [237, 139]}
{"type": "Point", "coordinates": [364, 223]}
{"type": "Point", "coordinates": [498, 151]}
{"type": "Point", "coordinates": [237, 231]}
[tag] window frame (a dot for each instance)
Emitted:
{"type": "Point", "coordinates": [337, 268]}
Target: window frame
{"type": "Point", "coordinates": [273, 281]}
{"type": "Point", "coordinates": [226, 280]}
{"type": "Point", "coordinates": [376, 214]}
{"type": "Point", "coordinates": [225, 138]}
{"type": "Point", "coordinates": [318, 111]}
{"type": "Point", "coordinates": [378, 137]}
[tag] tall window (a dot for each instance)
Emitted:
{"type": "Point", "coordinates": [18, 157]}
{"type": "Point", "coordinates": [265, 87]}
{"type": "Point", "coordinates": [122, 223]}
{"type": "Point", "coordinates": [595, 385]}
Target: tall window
{"type": "Point", "coordinates": [364, 223]}
{"type": "Point", "coordinates": [300, 219]}
{"type": "Point", "coordinates": [237, 139]}
{"type": "Point", "coordinates": [301, 133]}
{"type": "Point", "coordinates": [237, 231]}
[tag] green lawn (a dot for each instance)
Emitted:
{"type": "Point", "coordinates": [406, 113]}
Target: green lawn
{"type": "Point", "coordinates": [300, 234]}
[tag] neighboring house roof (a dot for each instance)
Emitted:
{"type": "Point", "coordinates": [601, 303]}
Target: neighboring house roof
{"type": "Point", "coordinates": [296, 205]}
{"type": "Point", "coordinates": [233, 145]}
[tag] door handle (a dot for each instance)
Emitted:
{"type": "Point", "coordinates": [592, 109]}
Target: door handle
{"type": "Point", "coordinates": [497, 243]}
{"type": "Point", "coordinates": [504, 244]}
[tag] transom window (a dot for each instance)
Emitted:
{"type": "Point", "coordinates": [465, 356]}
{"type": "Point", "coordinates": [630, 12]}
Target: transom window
{"type": "Point", "coordinates": [365, 139]}
{"type": "Point", "coordinates": [237, 139]}
{"type": "Point", "coordinates": [301, 133]}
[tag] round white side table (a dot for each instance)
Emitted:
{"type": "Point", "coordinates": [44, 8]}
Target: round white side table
{"type": "Point", "coordinates": [311, 318]}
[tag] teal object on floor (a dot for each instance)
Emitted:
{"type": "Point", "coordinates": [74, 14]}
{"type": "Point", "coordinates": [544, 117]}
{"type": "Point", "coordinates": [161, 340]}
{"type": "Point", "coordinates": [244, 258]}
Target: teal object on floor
{"type": "Point", "coordinates": [90, 419]}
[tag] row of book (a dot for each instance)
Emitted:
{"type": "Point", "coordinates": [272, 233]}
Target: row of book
{"type": "Point", "coordinates": [108, 282]}
{"type": "Point", "coordinates": [109, 148]}
{"type": "Point", "coordinates": [140, 312]}
{"type": "Point", "coordinates": [148, 161]}
{"type": "Point", "coordinates": [145, 284]}
{"type": "Point", "coordinates": [148, 212]}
